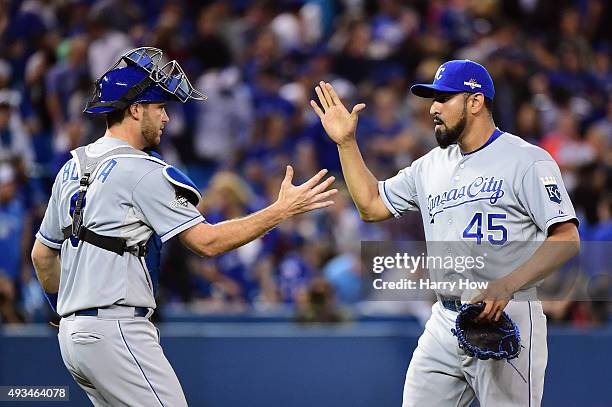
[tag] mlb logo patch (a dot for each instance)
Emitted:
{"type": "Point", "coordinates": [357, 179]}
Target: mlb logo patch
{"type": "Point", "coordinates": [552, 189]}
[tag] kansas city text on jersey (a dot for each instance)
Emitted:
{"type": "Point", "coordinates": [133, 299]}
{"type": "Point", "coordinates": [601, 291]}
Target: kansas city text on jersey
{"type": "Point", "coordinates": [481, 188]}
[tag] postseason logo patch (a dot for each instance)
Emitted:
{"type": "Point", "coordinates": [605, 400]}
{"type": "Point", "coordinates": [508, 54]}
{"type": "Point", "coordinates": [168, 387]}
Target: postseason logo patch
{"type": "Point", "coordinates": [179, 201]}
{"type": "Point", "coordinates": [552, 189]}
{"type": "Point", "coordinates": [472, 84]}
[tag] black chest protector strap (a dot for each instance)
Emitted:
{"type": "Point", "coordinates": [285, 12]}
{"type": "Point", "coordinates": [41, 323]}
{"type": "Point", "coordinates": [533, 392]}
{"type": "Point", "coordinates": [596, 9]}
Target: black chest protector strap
{"type": "Point", "coordinates": [87, 166]}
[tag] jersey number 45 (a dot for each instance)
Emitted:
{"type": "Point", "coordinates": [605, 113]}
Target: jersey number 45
{"type": "Point", "coordinates": [497, 233]}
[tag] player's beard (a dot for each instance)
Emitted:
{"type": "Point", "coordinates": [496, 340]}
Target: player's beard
{"type": "Point", "coordinates": [445, 136]}
{"type": "Point", "coordinates": [149, 131]}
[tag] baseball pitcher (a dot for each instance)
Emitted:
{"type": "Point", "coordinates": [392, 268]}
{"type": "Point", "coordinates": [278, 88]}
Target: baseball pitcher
{"type": "Point", "coordinates": [485, 187]}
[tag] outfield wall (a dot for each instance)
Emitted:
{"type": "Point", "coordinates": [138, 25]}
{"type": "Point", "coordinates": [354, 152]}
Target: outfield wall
{"type": "Point", "coordinates": [280, 364]}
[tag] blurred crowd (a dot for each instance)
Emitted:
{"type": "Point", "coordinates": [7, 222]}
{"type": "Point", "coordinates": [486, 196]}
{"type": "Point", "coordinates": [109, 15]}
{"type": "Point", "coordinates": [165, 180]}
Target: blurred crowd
{"type": "Point", "coordinates": [258, 62]}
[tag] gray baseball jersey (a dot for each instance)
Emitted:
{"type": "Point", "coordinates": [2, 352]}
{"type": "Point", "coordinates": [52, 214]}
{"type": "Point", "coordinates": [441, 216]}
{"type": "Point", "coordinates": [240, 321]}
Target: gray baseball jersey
{"type": "Point", "coordinates": [128, 198]}
{"type": "Point", "coordinates": [507, 191]}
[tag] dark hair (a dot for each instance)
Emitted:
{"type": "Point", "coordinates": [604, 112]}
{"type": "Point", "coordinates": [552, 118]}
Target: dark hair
{"type": "Point", "coordinates": [488, 104]}
{"type": "Point", "coordinates": [115, 117]}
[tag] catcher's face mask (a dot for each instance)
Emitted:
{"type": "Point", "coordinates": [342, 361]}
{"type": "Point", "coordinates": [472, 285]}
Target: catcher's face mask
{"type": "Point", "coordinates": [139, 77]}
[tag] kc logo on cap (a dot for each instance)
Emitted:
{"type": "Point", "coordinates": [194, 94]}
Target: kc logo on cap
{"type": "Point", "coordinates": [458, 76]}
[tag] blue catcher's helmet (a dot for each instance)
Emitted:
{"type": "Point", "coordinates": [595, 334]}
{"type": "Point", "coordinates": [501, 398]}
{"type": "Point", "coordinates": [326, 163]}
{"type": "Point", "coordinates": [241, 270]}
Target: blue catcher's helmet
{"type": "Point", "coordinates": [137, 77]}
{"type": "Point", "coordinates": [116, 84]}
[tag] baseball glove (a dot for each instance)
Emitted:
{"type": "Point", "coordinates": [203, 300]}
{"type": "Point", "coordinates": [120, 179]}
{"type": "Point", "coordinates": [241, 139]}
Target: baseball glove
{"type": "Point", "coordinates": [486, 339]}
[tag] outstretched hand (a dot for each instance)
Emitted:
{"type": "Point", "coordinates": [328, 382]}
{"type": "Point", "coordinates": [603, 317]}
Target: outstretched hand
{"type": "Point", "coordinates": [311, 195]}
{"type": "Point", "coordinates": [339, 124]}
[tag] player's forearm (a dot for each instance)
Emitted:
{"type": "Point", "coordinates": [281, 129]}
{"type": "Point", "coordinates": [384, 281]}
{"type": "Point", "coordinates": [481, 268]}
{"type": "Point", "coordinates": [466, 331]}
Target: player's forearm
{"type": "Point", "coordinates": [362, 185]}
{"type": "Point", "coordinates": [231, 234]}
{"type": "Point", "coordinates": [552, 254]}
{"type": "Point", "coordinates": [211, 240]}
{"type": "Point", "coordinates": [46, 262]}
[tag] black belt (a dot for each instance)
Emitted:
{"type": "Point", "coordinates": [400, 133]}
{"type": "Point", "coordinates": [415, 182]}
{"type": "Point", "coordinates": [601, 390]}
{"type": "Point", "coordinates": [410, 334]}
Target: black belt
{"type": "Point", "coordinates": [93, 312]}
{"type": "Point", "coordinates": [453, 304]}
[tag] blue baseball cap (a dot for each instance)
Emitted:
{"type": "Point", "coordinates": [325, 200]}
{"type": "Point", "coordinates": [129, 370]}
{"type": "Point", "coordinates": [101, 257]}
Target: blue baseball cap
{"type": "Point", "coordinates": [458, 76]}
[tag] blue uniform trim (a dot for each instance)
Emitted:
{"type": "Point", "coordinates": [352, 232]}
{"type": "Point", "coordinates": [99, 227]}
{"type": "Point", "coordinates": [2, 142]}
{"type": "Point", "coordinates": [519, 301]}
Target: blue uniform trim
{"type": "Point", "coordinates": [50, 240]}
{"type": "Point", "coordinates": [138, 364]}
{"type": "Point", "coordinates": [183, 183]}
{"type": "Point", "coordinates": [563, 216]}
{"type": "Point", "coordinates": [530, 335]}
{"type": "Point", "coordinates": [496, 133]}
{"type": "Point", "coordinates": [176, 227]}
{"type": "Point", "coordinates": [52, 299]}
{"type": "Point", "coordinates": [388, 200]}
{"type": "Point", "coordinates": [154, 154]}
{"type": "Point", "coordinates": [570, 218]}
{"type": "Point", "coordinates": [153, 260]}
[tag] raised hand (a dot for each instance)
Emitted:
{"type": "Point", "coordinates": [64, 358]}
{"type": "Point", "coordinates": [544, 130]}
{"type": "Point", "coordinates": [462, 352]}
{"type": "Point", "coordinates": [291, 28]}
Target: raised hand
{"type": "Point", "coordinates": [311, 195]}
{"type": "Point", "coordinates": [339, 124]}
